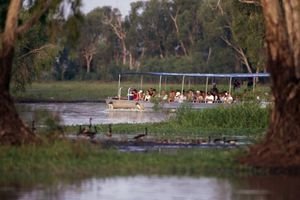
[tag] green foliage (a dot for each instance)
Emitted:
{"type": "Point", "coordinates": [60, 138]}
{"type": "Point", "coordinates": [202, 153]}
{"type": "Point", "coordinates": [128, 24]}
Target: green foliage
{"type": "Point", "coordinates": [37, 49]}
{"type": "Point", "coordinates": [52, 161]}
{"type": "Point", "coordinates": [248, 29]}
{"type": "Point", "coordinates": [236, 117]}
{"type": "Point", "coordinates": [210, 31]}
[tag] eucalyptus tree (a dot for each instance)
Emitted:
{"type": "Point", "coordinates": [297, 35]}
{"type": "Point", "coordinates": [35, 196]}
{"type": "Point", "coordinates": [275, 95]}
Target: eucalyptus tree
{"type": "Point", "coordinates": [93, 36]}
{"type": "Point", "coordinates": [280, 147]}
{"type": "Point", "coordinates": [213, 27]}
{"type": "Point", "coordinates": [248, 32]}
{"type": "Point", "coordinates": [237, 25]}
{"type": "Point", "coordinates": [35, 55]}
{"type": "Point", "coordinates": [157, 29]}
{"type": "Point", "coordinates": [12, 129]}
{"type": "Point", "coordinates": [184, 17]}
{"type": "Point", "coordinates": [134, 39]}
{"type": "Point", "coordinates": [113, 18]}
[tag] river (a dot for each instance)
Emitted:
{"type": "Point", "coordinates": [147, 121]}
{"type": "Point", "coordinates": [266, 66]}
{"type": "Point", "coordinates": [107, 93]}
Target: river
{"type": "Point", "coordinates": [79, 113]}
{"type": "Point", "coordinates": [162, 187]}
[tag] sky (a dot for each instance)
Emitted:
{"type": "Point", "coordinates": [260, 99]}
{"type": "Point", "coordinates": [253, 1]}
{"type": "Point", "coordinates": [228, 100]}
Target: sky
{"type": "Point", "coordinates": [122, 5]}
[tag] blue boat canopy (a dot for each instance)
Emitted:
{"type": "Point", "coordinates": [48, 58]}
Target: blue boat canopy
{"type": "Point", "coordinates": [227, 75]}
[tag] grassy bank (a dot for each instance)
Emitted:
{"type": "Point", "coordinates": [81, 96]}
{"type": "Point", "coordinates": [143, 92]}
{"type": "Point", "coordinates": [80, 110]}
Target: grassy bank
{"type": "Point", "coordinates": [93, 90]}
{"type": "Point", "coordinates": [63, 159]}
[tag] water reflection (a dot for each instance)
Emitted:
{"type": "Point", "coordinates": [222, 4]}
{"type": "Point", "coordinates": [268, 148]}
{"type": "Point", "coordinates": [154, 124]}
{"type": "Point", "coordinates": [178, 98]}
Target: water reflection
{"type": "Point", "coordinates": [79, 113]}
{"type": "Point", "coordinates": [137, 188]}
{"type": "Point", "coordinates": [167, 188]}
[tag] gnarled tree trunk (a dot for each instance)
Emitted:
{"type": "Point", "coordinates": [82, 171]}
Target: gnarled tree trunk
{"type": "Point", "coordinates": [281, 146]}
{"type": "Point", "coordinates": [12, 128]}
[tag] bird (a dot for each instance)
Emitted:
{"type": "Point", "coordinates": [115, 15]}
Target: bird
{"type": "Point", "coordinates": [109, 133]}
{"type": "Point", "coordinates": [33, 129]}
{"type": "Point", "coordinates": [142, 135]}
{"type": "Point", "coordinates": [90, 125]}
{"type": "Point", "coordinates": [87, 131]}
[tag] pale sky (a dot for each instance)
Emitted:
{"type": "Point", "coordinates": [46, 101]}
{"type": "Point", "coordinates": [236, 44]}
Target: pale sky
{"type": "Point", "coordinates": [122, 5]}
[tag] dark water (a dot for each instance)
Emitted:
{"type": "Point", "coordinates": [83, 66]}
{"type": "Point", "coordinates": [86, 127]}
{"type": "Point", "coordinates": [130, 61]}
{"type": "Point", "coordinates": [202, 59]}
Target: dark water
{"type": "Point", "coordinates": [162, 188]}
{"type": "Point", "coordinates": [79, 113]}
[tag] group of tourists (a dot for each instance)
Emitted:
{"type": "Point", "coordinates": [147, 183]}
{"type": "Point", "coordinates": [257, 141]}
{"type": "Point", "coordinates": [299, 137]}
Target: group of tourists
{"type": "Point", "coordinates": [195, 96]}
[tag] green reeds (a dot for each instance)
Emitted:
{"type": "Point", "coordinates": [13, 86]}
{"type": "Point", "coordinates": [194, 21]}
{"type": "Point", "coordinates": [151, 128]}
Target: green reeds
{"type": "Point", "coordinates": [64, 159]}
{"type": "Point", "coordinates": [239, 116]}
{"type": "Point", "coordinates": [239, 120]}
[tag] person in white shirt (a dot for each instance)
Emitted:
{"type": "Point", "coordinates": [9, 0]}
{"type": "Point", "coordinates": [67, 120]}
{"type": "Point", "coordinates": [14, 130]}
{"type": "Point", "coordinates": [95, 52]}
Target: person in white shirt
{"type": "Point", "coordinates": [209, 98]}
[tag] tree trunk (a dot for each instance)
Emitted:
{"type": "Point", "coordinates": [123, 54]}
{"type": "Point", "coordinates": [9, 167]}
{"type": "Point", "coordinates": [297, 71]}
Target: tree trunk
{"type": "Point", "coordinates": [174, 18]}
{"type": "Point", "coordinates": [281, 146]}
{"type": "Point", "coordinates": [88, 61]}
{"type": "Point", "coordinates": [12, 128]}
{"type": "Point", "coordinates": [124, 52]}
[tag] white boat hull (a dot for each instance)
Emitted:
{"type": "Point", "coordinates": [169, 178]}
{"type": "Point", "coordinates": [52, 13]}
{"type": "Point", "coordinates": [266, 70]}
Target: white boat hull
{"type": "Point", "coordinates": [115, 104]}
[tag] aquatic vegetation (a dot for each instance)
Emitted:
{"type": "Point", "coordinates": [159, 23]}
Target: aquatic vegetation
{"type": "Point", "coordinates": [65, 159]}
{"type": "Point", "coordinates": [242, 120]}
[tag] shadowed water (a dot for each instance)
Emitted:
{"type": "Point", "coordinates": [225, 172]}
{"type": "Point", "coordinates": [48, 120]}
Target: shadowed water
{"type": "Point", "coordinates": [166, 188]}
{"type": "Point", "coordinates": [79, 113]}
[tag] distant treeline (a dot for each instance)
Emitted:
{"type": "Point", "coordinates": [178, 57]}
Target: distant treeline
{"type": "Point", "coordinates": [157, 35]}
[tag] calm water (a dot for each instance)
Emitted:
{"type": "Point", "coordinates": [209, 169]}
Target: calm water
{"type": "Point", "coordinates": [79, 113]}
{"type": "Point", "coordinates": [162, 188]}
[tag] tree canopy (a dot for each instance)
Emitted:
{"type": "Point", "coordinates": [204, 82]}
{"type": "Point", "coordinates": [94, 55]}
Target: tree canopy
{"type": "Point", "coordinates": [161, 35]}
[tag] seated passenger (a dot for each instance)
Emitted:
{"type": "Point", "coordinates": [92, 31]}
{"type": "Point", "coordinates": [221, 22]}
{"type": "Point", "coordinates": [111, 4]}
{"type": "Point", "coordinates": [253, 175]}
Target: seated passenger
{"type": "Point", "coordinates": [141, 95]}
{"type": "Point", "coordinates": [182, 98]}
{"type": "Point", "coordinates": [222, 96]}
{"type": "Point", "coordinates": [177, 97]}
{"type": "Point", "coordinates": [164, 96]}
{"type": "Point", "coordinates": [209, 98]}
{"type": "Point", "coordinates": [172, 95]}
{"type": "Point", "coordinates": [199, 96]}
{"type": "Point", "coordinates": [135, 95]}
{"type": "Point", "coordinates": [190, 96]}
{"type": "Point", "coordinates": [228, 98]}
{"type": "Point", "coordinates": [147, 96]}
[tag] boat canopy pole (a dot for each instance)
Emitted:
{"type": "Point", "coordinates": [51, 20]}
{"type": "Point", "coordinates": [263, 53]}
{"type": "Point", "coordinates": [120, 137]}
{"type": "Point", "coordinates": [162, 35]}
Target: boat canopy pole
{"type": "Point", "coordinates": [166, 83]}
{"type": "Point", "coordinates": [141, 86]}
{"type": "Point", "coordinates": [182, 85]}
{"type": "Point", "coordinates": [206, 85]}
{"type": "Point", "coordinates": [119, 87]}
{"type": "Point", "coordinates": [230, 81]}
{"type": "Point", "coordinates": [159, 86]}
{"type": "Point", "coordinates": [254, 81]}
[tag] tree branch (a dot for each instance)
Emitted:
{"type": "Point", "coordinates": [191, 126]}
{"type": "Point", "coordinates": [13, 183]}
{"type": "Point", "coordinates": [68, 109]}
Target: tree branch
{"type": "Point", "coordinates": [240, 52]}
{"type": "Point", "coordinates": [35, 17]}
{"type": "Point", "coordinates": [36, 50]}
{"type": "Point", "coordinates": [9, 35]}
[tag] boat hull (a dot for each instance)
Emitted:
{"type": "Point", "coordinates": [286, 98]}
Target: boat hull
{"type": "Point", "coordinates": [115, 104]}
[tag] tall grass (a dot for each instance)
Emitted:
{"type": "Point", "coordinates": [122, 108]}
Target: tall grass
{"type": "Point", "coordinates": [64, 159]}
{"type": "Point", "coordinates": [242, 120]}
{"type": "Point", "coordinates": [239, 116]}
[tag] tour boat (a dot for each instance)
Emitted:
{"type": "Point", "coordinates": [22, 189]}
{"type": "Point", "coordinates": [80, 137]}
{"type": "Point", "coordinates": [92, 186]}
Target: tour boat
{"type": "Point", "coordinates": [120, 102]}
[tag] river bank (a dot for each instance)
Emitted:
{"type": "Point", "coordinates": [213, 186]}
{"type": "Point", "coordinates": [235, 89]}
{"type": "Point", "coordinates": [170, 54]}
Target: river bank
{"type": "Point", "coordinates": [70, 91]}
